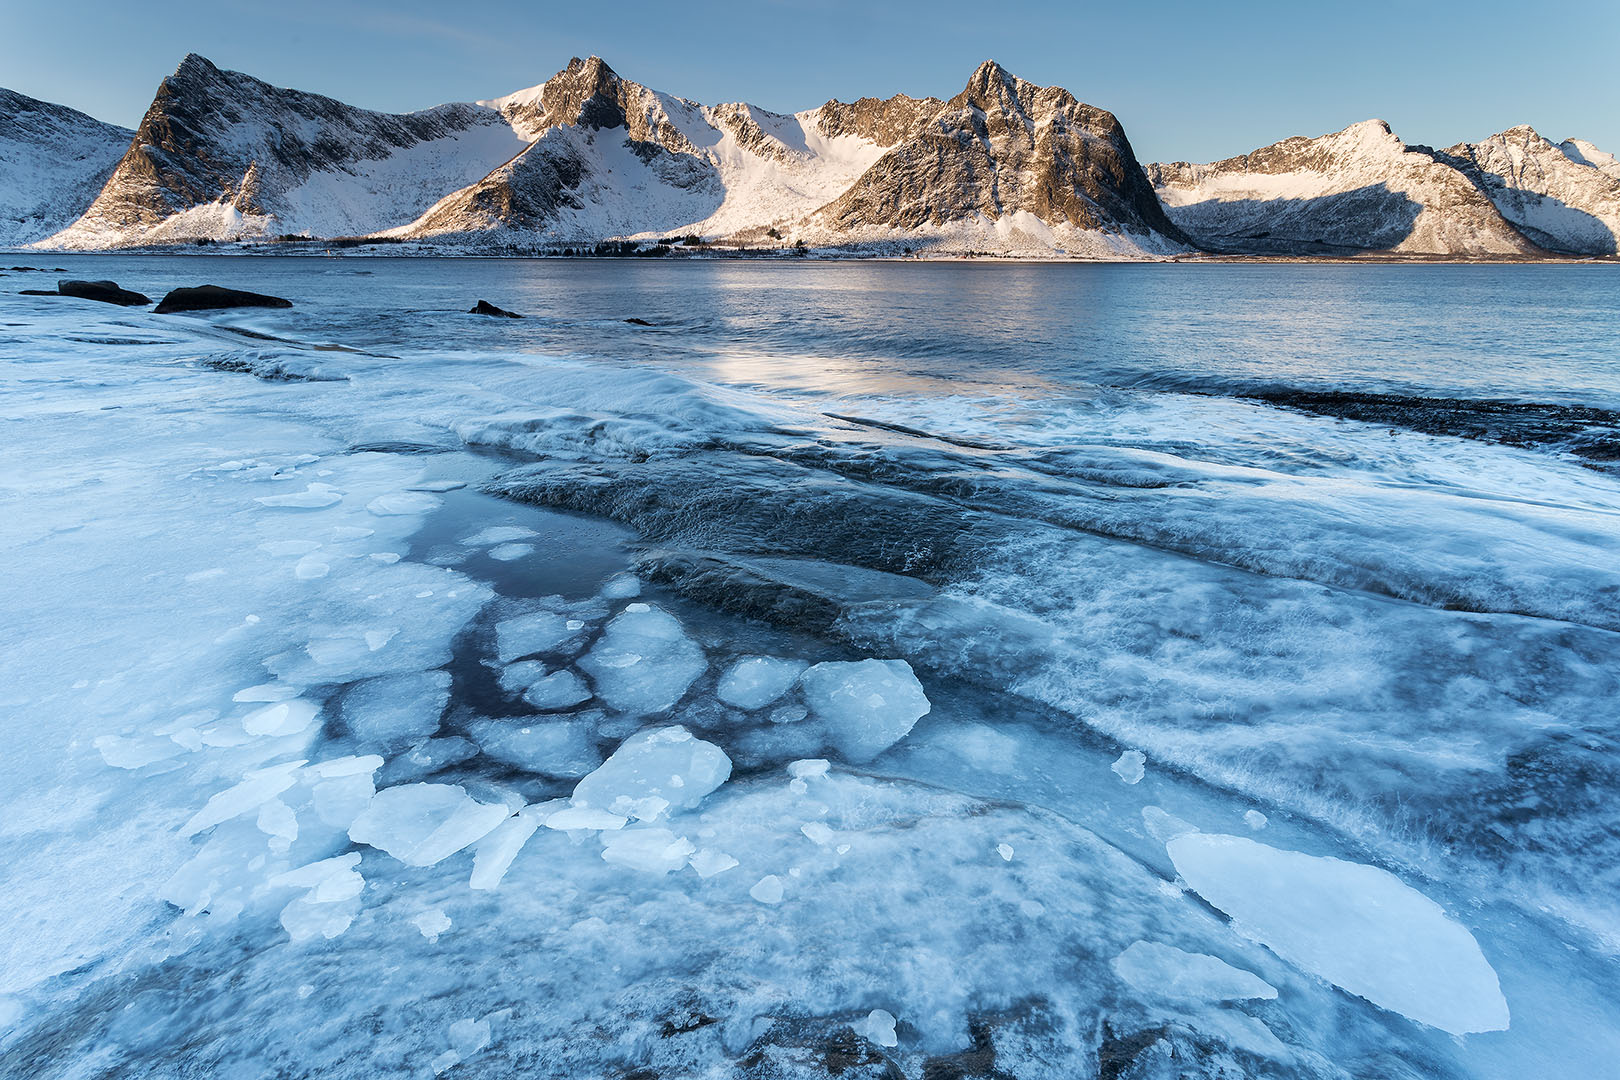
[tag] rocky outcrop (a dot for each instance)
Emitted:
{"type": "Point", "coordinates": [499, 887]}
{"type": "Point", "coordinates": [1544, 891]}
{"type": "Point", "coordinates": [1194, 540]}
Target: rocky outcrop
{"type": "Point", "coordinates": [216, 298]}
{"type": "Point", "coordinates": [1564, 198]}
{"type": "Point", "coordinates": [484, 307]}
{"type": "Point", "coordinates": [1357, 190]}
{"type": "Point", "coordinates": [53, 162]}
{"type": "Point", "coordinates": [105, 292]}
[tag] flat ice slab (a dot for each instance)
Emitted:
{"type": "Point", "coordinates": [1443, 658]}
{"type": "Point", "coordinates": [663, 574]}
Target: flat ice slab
{"type": "Point", "coordinates": [1168, 972]}
{"type": "Point", "coordinates": [756, 681]}
{"type": "Point", "coordinates": [1358, 927]}
{"type": "Point", "coordinates": [867, 706]}
{"type": "Point", "coordinates": [644, 661]}
{"type": "Point", "coordinates": [420, 824]}
{"type": "Point", "coordinates": [652, 771]}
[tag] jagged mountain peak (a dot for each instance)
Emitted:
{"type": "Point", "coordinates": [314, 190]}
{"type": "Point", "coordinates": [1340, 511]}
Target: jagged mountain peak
{"type": "Point", "coordinates": [992, 89]}
{"type": "Point", "coordinates": [195, 63]}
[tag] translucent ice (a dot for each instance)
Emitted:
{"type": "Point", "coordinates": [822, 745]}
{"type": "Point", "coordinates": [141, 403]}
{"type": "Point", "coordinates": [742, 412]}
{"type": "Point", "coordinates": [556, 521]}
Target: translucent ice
{"type": "Point", "coordinates": [432, 923]}
{"type": "Point", "coordinates": [510, 552]}
{"type": "Point", "coordinates": [1131, 766]}
{"type": "Point", "coordinates": [524, 635]}
{"type": "Point", "coordinates": [756, 681]}
{"type": "Point", "coordinates": [498, 534]}
{"type": "Point", "coordinates": [284, 718]}
{"type": "Point", "coordinates": [644, 662]}
{"type": "Point", "coordinates": [653, 770]}
{"type": "Point", "coordinates": [621, 587]}
{"type": "Point", "coordinates": [314, 497]}
{"type": "Point", "coordinates": [420, 824]}
{"type": "Point", "coordinates": [1168, 972]}
{"type": "Point", "coordinates": [402, 503]}
{"type": "Point", "coordinates": [395, 711]}
{"type": "Point", "coordinates": [258, 787]}
{"type": "Point", "coordinates": [867, 706]}
{"type": "Point", "coordinates": [497, 850]}
{"type": "Point", "coordinates": [767, 890]}
{"type": "Point", "coordinates": [546, 745]}
{"type": "Point", "coordinates": [1356, 926]}
{"type": "Point", "coordinates": [879, 1027]}
{"type": "Point", "coordinates": [653, 851]}
{"type": "Point", "coordinates": [559, 690]}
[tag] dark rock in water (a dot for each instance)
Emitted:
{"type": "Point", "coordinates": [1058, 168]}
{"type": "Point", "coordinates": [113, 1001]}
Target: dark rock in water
{"type": "Point", "coordinates": [638, 322]}
{"type": "Point", "coordinates": [38, 292]}
{"type": "Point", "coordinates": [484, 307]}
{"type": "Point", "coordinates": [216, 298]}
{"type": "Point", "coordinates": [107, 292]}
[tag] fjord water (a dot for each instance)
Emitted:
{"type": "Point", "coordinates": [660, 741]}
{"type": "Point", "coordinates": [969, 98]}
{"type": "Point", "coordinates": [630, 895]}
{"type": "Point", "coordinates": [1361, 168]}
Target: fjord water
{"type": "Point", "coordinates": [1268, 618]}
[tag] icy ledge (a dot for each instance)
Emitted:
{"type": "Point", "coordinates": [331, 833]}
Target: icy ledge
{"type": "Point", "coordinates": [1356, 926]}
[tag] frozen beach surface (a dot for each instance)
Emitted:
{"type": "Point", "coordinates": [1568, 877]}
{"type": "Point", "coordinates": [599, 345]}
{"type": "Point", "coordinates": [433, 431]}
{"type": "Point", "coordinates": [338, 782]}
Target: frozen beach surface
{"type": "Point", "coordinates": [763, 693]}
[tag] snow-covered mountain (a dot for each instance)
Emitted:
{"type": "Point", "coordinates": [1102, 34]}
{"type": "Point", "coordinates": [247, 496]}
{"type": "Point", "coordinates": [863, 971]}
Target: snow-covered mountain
{"type": "Point", "coordinates": [611, 158]}
{"type": "Point", "coordinates": [225, 156]}
{"type": "Point", "coordinates": [1563, 197]}
{"type": "Point", "coordinates": [587, 156]}
{"type": "Point", "coordinates": [1360, 189]}
{"type": "Point", "coordinates": [53, 160]}
{"type": "Point", "coordinates": [1005, 165]}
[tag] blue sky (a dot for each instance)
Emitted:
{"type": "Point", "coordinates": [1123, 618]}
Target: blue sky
{"type": "Point", "coordinates": [1189, 81]}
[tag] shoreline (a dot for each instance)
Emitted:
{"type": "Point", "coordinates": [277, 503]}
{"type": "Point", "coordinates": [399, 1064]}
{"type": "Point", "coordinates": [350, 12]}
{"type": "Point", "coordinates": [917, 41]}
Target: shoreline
{"type": "Point", "coordinates": [813, 256]}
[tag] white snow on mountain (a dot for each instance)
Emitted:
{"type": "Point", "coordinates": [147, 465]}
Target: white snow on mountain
{"type": "Point", "coordinates": [1357, 189]}
{"type": "Point", "coordinates": [53, 161]}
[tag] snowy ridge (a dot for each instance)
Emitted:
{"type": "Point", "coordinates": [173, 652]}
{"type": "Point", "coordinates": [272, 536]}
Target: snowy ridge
{"type": "Point", "coordinates": [1568, 202]}
{"type": "Point", "coordinates": [53, 161]}
{"type": "Point", "coordinates": [1360, 189]}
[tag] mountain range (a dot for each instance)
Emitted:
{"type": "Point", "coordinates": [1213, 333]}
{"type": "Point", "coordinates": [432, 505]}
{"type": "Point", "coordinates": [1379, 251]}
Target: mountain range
{"type": "Point", "coordinates": [588, 158]}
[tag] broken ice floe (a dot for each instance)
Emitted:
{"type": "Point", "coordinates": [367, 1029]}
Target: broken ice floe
{"type": "Point", "coordinates": [420, 824]}
{"type": "Point", "coordinates": [1358, 927]}
{"type": "Point", "coordinates": [1159, 970]}
{"type": "Point", "coordinates": [1131, 766]}
{"type": "Point", "coordinates": [756, 681]}
{"type": "Point", "coordinates": [867, 705]}
{"type": "Point", "coordinates": [644, 662]}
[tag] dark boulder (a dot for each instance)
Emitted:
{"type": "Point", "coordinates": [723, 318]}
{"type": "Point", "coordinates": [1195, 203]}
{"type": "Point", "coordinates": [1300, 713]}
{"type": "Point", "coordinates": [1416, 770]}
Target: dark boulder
{"type": "Point", "coordinates": [38, 292]}
{"type": "Point", "coordinates": [106, 292]}
{"type": "Point", "coordinates": [216, 298]}
{"type": "Point", "coordinates": [638, 322]}
{"type": "Point", "coordinates": [484, 307]}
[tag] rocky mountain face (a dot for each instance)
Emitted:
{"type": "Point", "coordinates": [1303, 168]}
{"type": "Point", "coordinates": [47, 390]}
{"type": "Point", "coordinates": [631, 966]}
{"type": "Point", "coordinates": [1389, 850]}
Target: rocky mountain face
{"type": "Point", "coordinates": [1360, 189]}
{"type": "Point", "coordinates": [586, 156]}
{"type": "Point", "coordinates": [53, 161]}
{"type": "Point", "coordinates": [1564, 198]}
{"type": "Point", "coordinates": [1006, 156]}
{"type": "Point", "coordinates": [226, 156]}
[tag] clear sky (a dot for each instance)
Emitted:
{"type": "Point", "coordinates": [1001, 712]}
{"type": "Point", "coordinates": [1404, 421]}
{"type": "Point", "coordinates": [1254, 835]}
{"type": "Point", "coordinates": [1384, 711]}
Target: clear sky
{"type": "Point", "coordinates": [1191, 81]}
